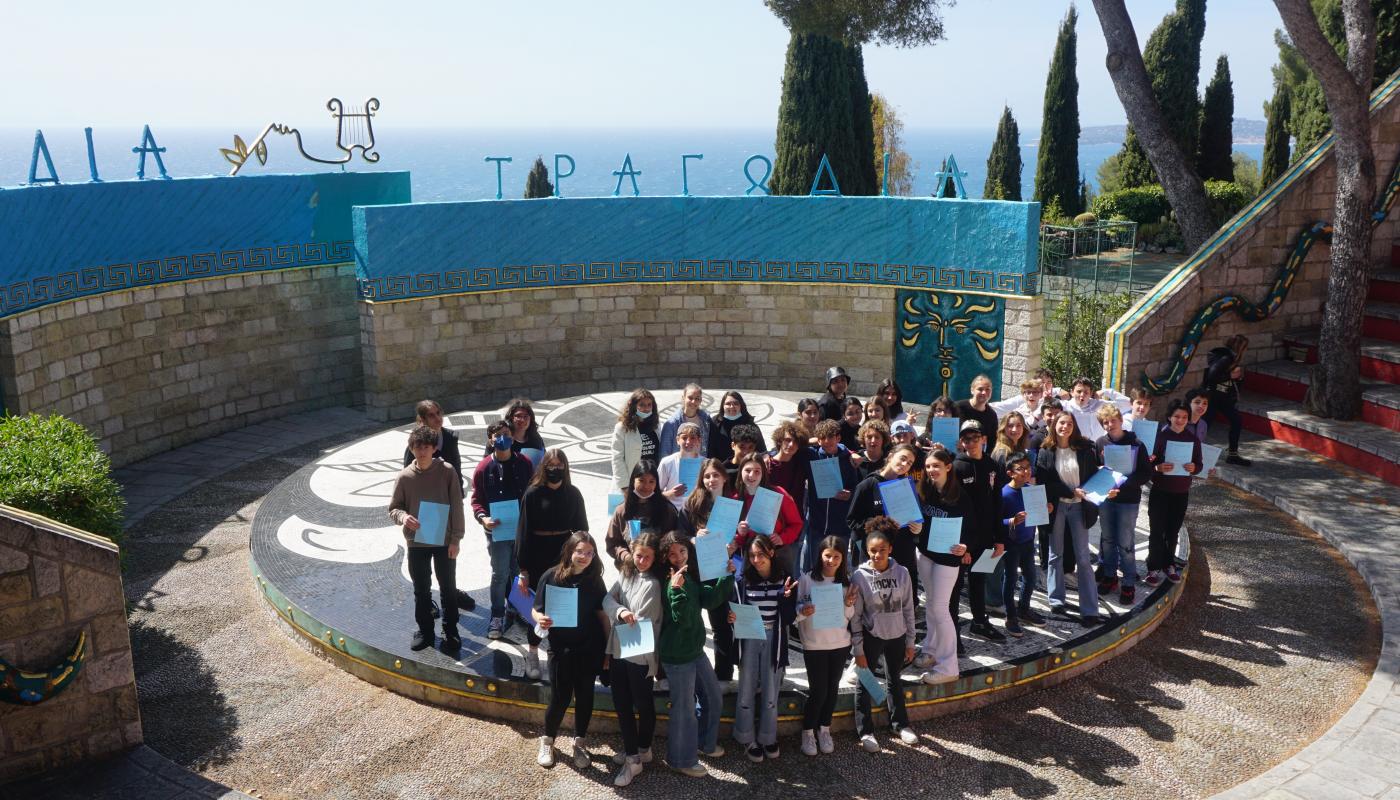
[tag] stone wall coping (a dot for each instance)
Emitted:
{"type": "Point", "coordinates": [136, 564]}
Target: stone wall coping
{"type": "Point", "coordinates": [58, 528]}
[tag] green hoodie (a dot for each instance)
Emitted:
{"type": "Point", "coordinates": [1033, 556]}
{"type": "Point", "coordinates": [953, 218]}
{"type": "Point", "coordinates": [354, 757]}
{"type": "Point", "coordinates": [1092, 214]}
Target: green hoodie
{"type": "Point", "coordinates": [683, 634]}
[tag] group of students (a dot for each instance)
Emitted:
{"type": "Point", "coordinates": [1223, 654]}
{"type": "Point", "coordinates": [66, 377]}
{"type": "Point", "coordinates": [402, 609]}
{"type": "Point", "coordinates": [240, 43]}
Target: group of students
{"type": "Point", "coordinates": [847, 539]}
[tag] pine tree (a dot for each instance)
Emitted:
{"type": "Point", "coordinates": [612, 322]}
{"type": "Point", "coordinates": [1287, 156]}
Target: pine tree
{"type": "Point", "coordinates": [1173, 60]}
{"type": "Point", "coordinates": [864, 179]}
{"type": "Point", "coordinates": [537, 182]}
{"type": "Point", "coordinates": [1057, 159]}
{"type": "Point", "coordinates": [1217, 126]}
{"type": "Point", "coordinates": [1275, 136]}
{"type": "Point", "coordinates": [814, 117]}
{"type": "Point", "coordinates": [1004, 164]}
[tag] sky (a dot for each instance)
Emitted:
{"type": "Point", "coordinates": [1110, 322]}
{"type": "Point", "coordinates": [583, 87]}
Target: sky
{"type": "Point", "coordinates": [548, 63]}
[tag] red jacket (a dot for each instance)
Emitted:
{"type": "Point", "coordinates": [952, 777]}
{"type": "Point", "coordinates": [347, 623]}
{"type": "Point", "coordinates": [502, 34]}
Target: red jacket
{"type": "Point", "coordinates": [789, 525]}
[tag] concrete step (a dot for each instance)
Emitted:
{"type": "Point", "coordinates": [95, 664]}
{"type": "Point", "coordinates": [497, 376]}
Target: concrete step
{"type": "Point", "coordinates": [1369, 448]}
{"type": "Point", "coordinates": [1289, 380]}
{"type": "Point", "coordinates": [1385, 287]}
{"type": "Point", "coordinates": [1382, 321]}
{"type": "Point", "coordinates": [1380, 359]}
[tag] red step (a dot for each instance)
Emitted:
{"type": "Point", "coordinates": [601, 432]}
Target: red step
{"type": "Point", "coordinates": [1380, 402]}
{"type": "Point", "coordinates": [1382, 321]}
{"type": "Point", "coordinates": [1380, 359]}
{"type": "Point", "coordinates": [1362, 445]}
{"type": "Point", "coordinates": [1384, 287]}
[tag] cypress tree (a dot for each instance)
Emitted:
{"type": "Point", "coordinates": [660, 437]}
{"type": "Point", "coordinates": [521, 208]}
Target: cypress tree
{"type": "Point", "coordinates": [814, 117]}
{"type": "Point", "coordinates": [1275, 137]}
{"type": "Point", "coordinates": [1004, 164]}
{"type": "Point", "coordinates": [537, 182]}
{"type": "Point", "coordinates": [1217, 126]}
{"type": "Point", "coordinates": [949, 187]}
{"type": "Point", "coordinates": [1057, 159]}
{"type": "Point", "coordinates": [864, 179]}
{"type": "Point", "coordinates": [1173, 60]}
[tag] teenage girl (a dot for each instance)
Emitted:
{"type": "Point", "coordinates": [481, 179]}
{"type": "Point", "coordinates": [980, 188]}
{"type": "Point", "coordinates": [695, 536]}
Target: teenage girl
{"type": "Point", "coordinates": [634, 597]}
{"type": "Point", "coordinates": [764, 584]}
{"type": "Point", "coordinates": [733, 411]}
{"type": "Point", "coordinates": [786, 536]}
{"type": "Point", "coordinates": [643, 502]}
{"type": "Point", "coordinates": [1166, 504]}
{"type": "Point", "coordinates": [882, 630]}
{"type": "Point", "coordinates": [941, 494]}
{"type": "Point", "coordinates": [1065, 463]}
{"type": "Point", "coordinates": [634, 436]}
{"type": "Point", "coordinates": [824, 650]}
{"type": "Point", "coordinates": [576, 651]}
{"type": "Point", "coordinates": [551, 509]}
{"type": "Point", "coordinates": [714, 482]}
{"type": "Point", "coordinates": [867, 504]}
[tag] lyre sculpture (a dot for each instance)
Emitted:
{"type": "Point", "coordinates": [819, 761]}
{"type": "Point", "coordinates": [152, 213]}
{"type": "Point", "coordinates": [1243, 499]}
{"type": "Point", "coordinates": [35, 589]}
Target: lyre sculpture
{"type": "Point", "coordinates": [354, 131]}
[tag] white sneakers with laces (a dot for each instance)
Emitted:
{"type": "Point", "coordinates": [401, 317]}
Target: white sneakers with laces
{"type": "Point", "coordinates": [546, 755]}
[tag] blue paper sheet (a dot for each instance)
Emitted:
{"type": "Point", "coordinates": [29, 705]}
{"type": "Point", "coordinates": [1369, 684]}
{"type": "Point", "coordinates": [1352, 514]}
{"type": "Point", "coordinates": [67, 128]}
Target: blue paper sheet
{"type": "Point", "coordinates": [1096, 489]}
{"type": "Point", "coordinates": [712, 556]}
{"type": "Point", "coordinates": [689, 473]}
{"type": "Point", "coordinates": [829, 600]}
{"type": "Point", "coordinates": [432, 523]}
{"type": "Point", "coordinates": [826, 477]}
{"type": "Point", "coordinates": [634, 528]}
{"type": "Point", "coordinates": [724, 518]}
{"type": "Point", "coordinates": [614, 500]}
{"type": "Point", "coordinates": [944, 431]}
{"type": "Point", "coordinates": [1146, 432]}
{"type": "Point", "coordinates": [561, 606]}
{"type": "Point", "coordinates": [534, 455]}
{"type": "Point", "coordinates": [987, 562]}
{"type": "Point", "coordinates": [635, 640]}
{"type": "Point", "coordinates": [944, 533]}
{"type": "Point", "coordinates": [1179, 454]}
{"type": "Point", "coordinates": [1120, 457]}
{"type": "Point", "coordinates": [872, 685]}
{"type": "Point", "coordinates": [1210, 456]}
{"type": "Point", "coordinates": [507, 513]}
{"type": "Point", "coordinates": [748, 622]}
{"type": "Point", "coordinates": [1033, 498]}
{"type": "Point", "coordinates": [900, 503]}
{"type": "Point", "coordinates": [523, 602]}
{"type": "Point", "coordinates": [763, 511]}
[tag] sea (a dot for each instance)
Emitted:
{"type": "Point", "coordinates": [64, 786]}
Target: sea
{"type": "Point", "coordinates": [449, 163]}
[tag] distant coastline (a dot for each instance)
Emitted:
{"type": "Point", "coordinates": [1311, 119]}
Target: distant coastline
{"type": "Point", "coordinates": [1247, 131]}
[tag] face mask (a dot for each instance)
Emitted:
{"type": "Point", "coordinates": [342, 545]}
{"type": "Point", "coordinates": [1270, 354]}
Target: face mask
{"type": "Point", "coordinates": [732, 417]}
{"type": "Point", "coordinates": [501, 442]}
{"type": "Point", "coordinates": [641, 496]}
{"type": "Point", "coordinates": [554, 474]}
{"type": "Point", "coordinates": [643, 414]}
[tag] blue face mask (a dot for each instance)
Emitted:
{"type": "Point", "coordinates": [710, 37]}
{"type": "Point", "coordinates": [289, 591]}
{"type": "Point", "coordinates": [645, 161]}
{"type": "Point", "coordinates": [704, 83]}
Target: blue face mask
{"type": "Point", "coordinates": [501, 442]}
{"type": "Point", "coordinates": [643, 414]}
{"type": "Point", "coordinates": [732, 417]}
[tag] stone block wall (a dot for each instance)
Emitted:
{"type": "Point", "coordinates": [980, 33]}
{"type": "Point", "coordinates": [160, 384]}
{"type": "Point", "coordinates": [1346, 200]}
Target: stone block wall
{"type": "Point", "coordinates": [476, 350]}
{"type": "Point", "coordinates": [150, 369]}
{"type": "Point", "coordinates": [55, 583]}
{"type": "Point", "coordinates": [1248, 262]}
{"type": "Point", "coordinates": [1023, 340]}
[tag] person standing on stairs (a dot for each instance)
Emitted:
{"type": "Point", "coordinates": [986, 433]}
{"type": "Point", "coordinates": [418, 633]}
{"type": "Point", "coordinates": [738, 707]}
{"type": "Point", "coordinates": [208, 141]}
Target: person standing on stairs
{"type": "Point", "coordinates": [1222, 377]}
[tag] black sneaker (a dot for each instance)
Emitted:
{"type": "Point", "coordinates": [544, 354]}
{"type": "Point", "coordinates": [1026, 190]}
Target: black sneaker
{"type": "Point", "coordinates": [1108, 585]}
{"type": "Point", "coordinates": [1032, 617]}
{"type": "Point", "coordinates": [962, 649]}
{"type": "Point", "coordinates": [465, 601]}
{"type": "Point", "coordinates": [986, 631]}
{"type": "Point", "coordinates": [1238, 460]}
{"type": "Point", "coordinates": [1091, 621]}
{"type": "Point", "coordinates": [1013, 627]}
{"type": "Point", "coordinates": [451, 643]}
{"type": "Point", "coordinates": [1127, 595]}
{"type": "Point", "coordinates": [754, 752]}
{"type": "Point", "coordinates": [421, 641]}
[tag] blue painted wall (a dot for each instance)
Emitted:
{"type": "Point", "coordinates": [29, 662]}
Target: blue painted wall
{"type": "Point", "coordinates": [943, 340]}
{"type": "Point", "coordinates": [430, 249]}
{"type": "Point", "coordinates": [68, 241]}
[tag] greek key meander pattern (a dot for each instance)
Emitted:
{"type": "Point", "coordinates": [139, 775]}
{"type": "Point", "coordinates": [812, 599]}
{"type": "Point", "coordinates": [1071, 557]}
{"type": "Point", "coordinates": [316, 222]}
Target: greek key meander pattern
{"type": "Point", "coordinates": [48, 289]}
{"type": "Point", "coordinates": [543, 276]}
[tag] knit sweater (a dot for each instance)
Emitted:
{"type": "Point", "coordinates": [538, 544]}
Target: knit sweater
{"type": "Point", "coordinates": [682, 637]}
{"type": "Point", "coordinates": [436, 484]}
{"type": "Point", "coordinates": [640, 594]}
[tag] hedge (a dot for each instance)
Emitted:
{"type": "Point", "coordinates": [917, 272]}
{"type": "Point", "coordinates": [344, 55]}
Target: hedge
{"type": "Point", "coordinates": [52, 466]}
{"type": "Point", "coordinates": [1148, 204]}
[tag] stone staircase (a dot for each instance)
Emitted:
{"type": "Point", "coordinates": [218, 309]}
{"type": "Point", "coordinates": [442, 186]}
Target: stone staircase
{"type": "Point", "coordinates": [1272, 402]}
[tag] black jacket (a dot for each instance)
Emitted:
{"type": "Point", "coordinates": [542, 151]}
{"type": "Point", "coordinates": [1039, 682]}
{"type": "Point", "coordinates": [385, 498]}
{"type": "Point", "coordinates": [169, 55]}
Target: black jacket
{"type": "Point", "coordinates": [449, 451]}
{"type": "Point", "coordinates": [1055, 488]}
{"type": "Point", "coordinates": [935, 507]}
{"type": "Point", "coordinates": [832, 407]}
{"type": "Point", "coordinates": [980, 481]}
{"type": "Point", "coordinates": [1219, 362]}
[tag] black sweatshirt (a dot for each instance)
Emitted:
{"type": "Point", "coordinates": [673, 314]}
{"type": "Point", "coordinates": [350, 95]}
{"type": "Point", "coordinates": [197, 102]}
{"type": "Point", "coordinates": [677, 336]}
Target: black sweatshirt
{"type": "Point", "coordinates": [1130, 493]}
{"type": "Point", "coordinates": [980, 486]}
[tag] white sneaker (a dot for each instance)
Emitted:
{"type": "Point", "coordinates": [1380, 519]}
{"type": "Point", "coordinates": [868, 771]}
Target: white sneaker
{"type": "Point", "coordinates": [908, 736]}
{"type": "Point", "coordinates": [809, 743]}
{"type": "Point", "coordinates": [644, 753]}
{"type": "Point", "coordinates": [850, 678]}
{"type": "Point", "coordinates": [546, 756]}
{"type": "Point", "coordinates": [631, 768]}
{"type": "Point", "coordinates": [868, 744]}
{"type": "Point", "coordinates": [923, 660]}
{"type": "Point", "coordinates": [824, 742]}
{"type": "Point", "coordinates": [935, 678]}
{"type": "Point", "coordinates": [663, 685]}
{"type": "Point", "coordinates": [532, 665]}
{"type": "Point", "coordinates": [581, 759]}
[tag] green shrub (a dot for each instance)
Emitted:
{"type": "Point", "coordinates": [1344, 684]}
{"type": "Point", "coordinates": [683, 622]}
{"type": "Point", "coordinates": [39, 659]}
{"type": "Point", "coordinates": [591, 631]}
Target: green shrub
{"type": "Point", "coordinates": [1225, 199]}
{"type": "Point", "coordinates": [1148, 204]}
{"type": "Point", "coordinates": [1083, 322]}
{"type": "Point", "coordinates": [52, 466]}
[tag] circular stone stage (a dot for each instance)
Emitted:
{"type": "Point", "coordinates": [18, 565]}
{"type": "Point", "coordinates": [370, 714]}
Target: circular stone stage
{"type": "Point", "coordinates": [334, 568]}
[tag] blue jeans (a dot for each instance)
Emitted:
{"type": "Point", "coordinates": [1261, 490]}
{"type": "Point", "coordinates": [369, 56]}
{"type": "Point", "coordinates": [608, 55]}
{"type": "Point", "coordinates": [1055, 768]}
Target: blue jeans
{"type": "Point", "coordinates": [1118, 521]}
{"type": "Point", "coordinates": [1070, 515]}
{"type": "Point", "coordinates": [1019, 559]}
{"type": "Point", "coordinates": [502, 573]}
{"type": "Point", "coordinates": [758, 686]}
{"type": "Point", "coordinates": [684, 738]}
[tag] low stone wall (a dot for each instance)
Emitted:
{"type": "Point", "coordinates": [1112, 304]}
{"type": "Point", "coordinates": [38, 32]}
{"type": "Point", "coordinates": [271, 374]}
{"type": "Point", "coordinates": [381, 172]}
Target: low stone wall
{"type": "Point", "coordinates": [55, 584]}
{"type": "Point", "coordinates": [150, 369]}
{"type": "Point", "coordinates": [473, 349]}
{"type": "Point", "coordinates": [1246, 261]}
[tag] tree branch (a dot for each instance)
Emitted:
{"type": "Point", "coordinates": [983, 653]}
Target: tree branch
{"type": "Point", "coordinates": [1336, 79]}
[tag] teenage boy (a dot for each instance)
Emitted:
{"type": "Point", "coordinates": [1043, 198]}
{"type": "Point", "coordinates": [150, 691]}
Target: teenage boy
{"type": "Point", "coordinates": [668, 472]}
{"type": "Point", "coordinates": [501, 476]}
{"type": "Point", "coordinates": [1084, 405]}
{"type": "Point", "coordinates": [979, 480]}
{"type": "Point", "coordinates": [1118, 515]}
{"type": "Point", "coordinates": [827, 517]}
{"type": "Point", "coordinates": [978, 408]}
{"type": "Point", "coordinates": [1223, 374]}
{"type": "Point", "coordinates": [1027, 403]}
{"type": "Point", "coordinates": [833, 402]}
{"type": "Point", "coordinates": [1047, 384]}
{"type": "Point", "coordinates": [690, 412]}
{"type": "Point", "coordinates": [1020, 547]}
{"type": "Point", "coordinates": [1139, 406]}
{"type": "Point", "coordinates": [429, 479]}
{"type": "Point", "coordinates": [447, 448]}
